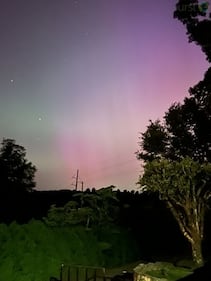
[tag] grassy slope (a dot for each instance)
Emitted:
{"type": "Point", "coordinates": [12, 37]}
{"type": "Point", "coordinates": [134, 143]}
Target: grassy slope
{"type": "Point", "coordinates": [34, 252]}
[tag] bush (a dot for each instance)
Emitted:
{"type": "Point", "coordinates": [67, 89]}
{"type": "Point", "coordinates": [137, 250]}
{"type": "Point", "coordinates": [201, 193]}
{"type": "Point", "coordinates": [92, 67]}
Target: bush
{"type": "Point", "coordinates": [34, 251]}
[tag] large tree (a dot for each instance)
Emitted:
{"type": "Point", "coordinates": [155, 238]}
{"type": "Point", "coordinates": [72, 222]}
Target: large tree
{"type": "Point", "coordinates": [196, 110]}
{"type": "Point", "coordinates": [187, 125]}
{"type": "Point", "coordinates": [185, 187]}
{"type": "Point", "coordinates": [185, 129]}
{"type": "Point", "coordinates": [16, 172]}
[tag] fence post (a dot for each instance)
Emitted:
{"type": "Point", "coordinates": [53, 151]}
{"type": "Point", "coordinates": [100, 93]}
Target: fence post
{"type": "Point", "coordinates": [61, 270]}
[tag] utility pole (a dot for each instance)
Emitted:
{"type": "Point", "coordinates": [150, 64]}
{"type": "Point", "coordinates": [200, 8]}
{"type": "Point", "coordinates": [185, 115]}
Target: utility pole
{"type": "Point", "coordinates": [75, 184]}
{"type": "Point", "coordinates": [82, 186]}
{"type": "Point", "coordinates": [76, 180]}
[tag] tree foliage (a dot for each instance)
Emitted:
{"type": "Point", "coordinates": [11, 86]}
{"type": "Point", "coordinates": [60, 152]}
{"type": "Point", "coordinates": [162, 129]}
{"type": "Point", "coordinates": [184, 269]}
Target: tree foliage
{"type": "Point", "coordinates": [153, 142]}
{"type": "Point", "coordinates": [88, 209]}
{"type": "Point", "coordinates": [185, 129]}
{"type": "Point", "coordinates": [178, 180]}
{"type": "Point", "coordinates": [68, 216]}
{"type": "Point", "coordinates": [186, 126]}
{"type": "Point", "coordinates": [16, 173]}
{"type": "Point", "coordinates": [185, 187]}
{"type": "Point", "coordinates": [195, 17]}
{"type": "Point", "coordinates": [177, 151]}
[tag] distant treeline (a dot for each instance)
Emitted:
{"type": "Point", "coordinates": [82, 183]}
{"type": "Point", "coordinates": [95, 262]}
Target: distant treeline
{"type": "Point", "coordinates": [144, 215]}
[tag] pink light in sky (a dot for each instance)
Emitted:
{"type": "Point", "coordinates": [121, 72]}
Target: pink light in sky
{"type": "Point", "coordinates": [95, 74]}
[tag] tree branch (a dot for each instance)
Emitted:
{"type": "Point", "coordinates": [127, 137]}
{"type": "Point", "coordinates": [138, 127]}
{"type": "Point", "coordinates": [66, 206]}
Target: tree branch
{"type": "Point", "coordinates": [186, 232]}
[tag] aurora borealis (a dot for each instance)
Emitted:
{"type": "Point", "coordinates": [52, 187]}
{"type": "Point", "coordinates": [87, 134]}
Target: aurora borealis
{"type": "Point", "coordinates": [80, 79]}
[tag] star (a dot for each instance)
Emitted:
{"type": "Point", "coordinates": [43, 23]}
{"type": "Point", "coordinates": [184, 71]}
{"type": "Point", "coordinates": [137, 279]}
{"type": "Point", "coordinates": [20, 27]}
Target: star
{"type": "Point", "coordinates": [11, 80]}
{"type": "Point", "coordinates": [40, 119]}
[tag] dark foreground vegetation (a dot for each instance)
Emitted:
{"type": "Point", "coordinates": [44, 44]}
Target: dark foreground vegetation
{"type": "Point", "coordinates": [33, 249]}
{"type": "Point", "coordinates": [41, 230]}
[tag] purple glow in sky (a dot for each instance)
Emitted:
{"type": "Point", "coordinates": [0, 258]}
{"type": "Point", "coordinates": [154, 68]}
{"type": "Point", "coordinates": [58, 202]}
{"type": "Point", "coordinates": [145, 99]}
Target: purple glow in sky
{"type": "Point", "coordinates": [80, 79]}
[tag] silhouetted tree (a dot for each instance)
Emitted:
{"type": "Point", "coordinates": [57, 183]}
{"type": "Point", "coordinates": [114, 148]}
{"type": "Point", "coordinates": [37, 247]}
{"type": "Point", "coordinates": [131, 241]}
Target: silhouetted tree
{"type": "Point", "coordinates": [16, 173]}
{"type": "Point", "coordinates": [153, 142]}
{"type": "Point", "coordinates": [185, 187]}
{"type": "Point", "coordinates": [189, 124]}
{"type": "Point", "coordinates": [185, 130]}
{"type": "Point", "coordinates": [194, 16]}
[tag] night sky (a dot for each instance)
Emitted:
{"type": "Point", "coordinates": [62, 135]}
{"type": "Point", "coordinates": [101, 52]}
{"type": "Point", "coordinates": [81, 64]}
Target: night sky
{"type": "Point", "coordinates": [80, 79]}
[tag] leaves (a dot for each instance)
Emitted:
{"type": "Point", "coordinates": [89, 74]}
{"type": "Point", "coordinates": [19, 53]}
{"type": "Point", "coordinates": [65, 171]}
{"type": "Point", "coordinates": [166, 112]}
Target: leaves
{"type": "Point", "coordinates": [97, 208]}
{"type": "Point", "coordinates": [194, 16]}
{"type": "Point", "coordinates": [185, 130]}
{"type": "Point", "coordinates": [153, 142]}
{"type": "Point", "coordinates": [180, 148]}
{"type": "Point", "coordinates": [178, 180]}
{"type": "Point", "coordinates": [185, 185]}
{"type": "Point", "coordinates": [16, 173]}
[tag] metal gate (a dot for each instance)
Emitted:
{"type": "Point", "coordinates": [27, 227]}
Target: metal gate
{"type": "Point", "coordinates": [82, 273]}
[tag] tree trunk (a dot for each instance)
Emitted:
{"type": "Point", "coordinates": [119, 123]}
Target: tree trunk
{"type": "Point", "coordinates": [196, 245]}
{"type": "Point", "coordinates": [192, 229]}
